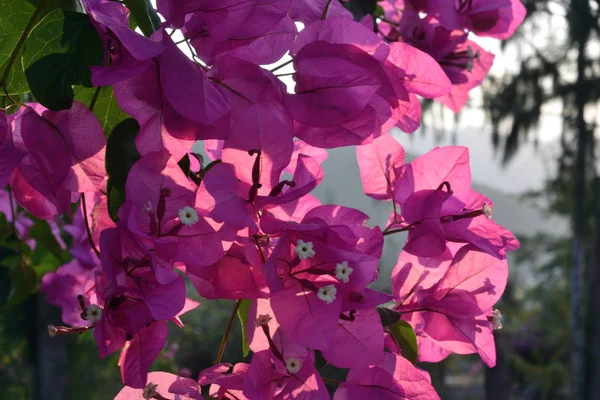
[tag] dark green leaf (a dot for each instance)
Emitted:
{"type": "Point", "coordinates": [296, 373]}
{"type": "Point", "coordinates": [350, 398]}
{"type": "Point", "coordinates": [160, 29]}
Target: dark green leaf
{"type": "Point", "coordinates": [388, 316]}
{"type": "Point", "coordinates": [17, 18]}
{"type": "Point", "coordinates": [405, 336]}
{"type": "Point", "coordinates": [121, 154]}
{"type": "Point", "coordinates": [184, 164]}
{"type": "Point", "coordinates": [23, 283]}
{"type": "Point", "coordinates": [71, 5]}
{"type": "Point", "coordinates": [115, 198]}
{"type": "Point", "coordinates": [105, 107]}
{"type": "Point", "coordinates": [58, 54]}
{"type": "Point", "coordinates": [45, 241]}
{"type": "Point", "coordinates": [5, 228]}
{"type": "Point", "coordinates": [47, 264]}
{"type": "Point", "coordinates": [144, 14]}
{"type": "Point", "coordinates": [243, 316]}
{"type": "Point", "coordinates": [10, 262]}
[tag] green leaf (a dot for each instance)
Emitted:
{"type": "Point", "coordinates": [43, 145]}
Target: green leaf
{"type": "Point", "coordinates": [405, 336]}
{"type": "Point", "coordinates": [243, 316]}
{"type": "Point", "coordinates": [388, 317]}
{"type": "Point", "coordinates": [115, 197]}
{"type": "Point", "coordinates": [144, 14]}
{"type": "Point", "coordinates": [71, 5]}
{"type": "Point", "coordinates": [121, 154]}
{"type": "Point", "coordinates": [17, 19]}
{"type": "Point", "coordinates": [45, 243]}
{"type": "Point", "coordinates": [184, 164]}
{"type": "Point", "coordinates": [10, 262]}
{"type": "Point", "coordinates": [47, 264]}
{"type": "Point", "coordinates": [105, 107]}
{"type": "Point", "coordinates": [23, 283]}
{"type": "Point", "coordinates": [58, 54]}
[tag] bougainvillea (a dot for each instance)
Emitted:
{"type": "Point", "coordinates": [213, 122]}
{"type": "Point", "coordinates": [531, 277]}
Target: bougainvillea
{"type": "Point", "coordinates": [144, 211]}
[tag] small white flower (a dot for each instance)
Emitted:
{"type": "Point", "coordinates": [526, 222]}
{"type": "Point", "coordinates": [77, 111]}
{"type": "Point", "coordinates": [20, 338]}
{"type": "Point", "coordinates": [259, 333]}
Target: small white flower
{"type": "Point", "coordinates": [487, 211]}
{"type": "Point", "coordinates": [304, 249]}
{"type": "Point", "coordinates": [497, 319]}
{"type": "Point", "coordinates": [327, 293]}
{"type": "Point", "coordinates": [343, 271]}
{"type": "Point", "coordinates": [188, 216]}
{"type": "Point", "coordinates": [293, 364]}
{"type": "Point", "coordinates": [147, 207]}
{"type": "Point", "coordinates": [93, 313]}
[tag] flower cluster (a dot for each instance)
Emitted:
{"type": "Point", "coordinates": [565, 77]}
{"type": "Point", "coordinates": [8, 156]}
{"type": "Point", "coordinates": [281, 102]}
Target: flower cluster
{"type": "Point", "coordinates": [441, 28]}
{"type": "Point", "coordinates": [244, 226]}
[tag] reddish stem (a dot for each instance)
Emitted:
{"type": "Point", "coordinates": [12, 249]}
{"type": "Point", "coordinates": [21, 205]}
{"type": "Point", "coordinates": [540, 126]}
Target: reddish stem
{"type": "Point", "coordinates": [87, 226]}
{"type": "Point", "coordinates": [226, 334]}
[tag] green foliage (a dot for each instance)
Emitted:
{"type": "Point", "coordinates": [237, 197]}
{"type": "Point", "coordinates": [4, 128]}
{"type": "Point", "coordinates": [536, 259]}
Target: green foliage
{"type": "Point", "coordinates": [17, 18]}
{"type": "Point", "coordinates": [121, 154]}
{"type": "Point", "coordinates": [144, 15]}
{"type": "Point", "coordinates": [200, 337]}
{"type": "Point", "coordinates": [388, 316]}
{"type": "Point", "coordinates": [405, 336]}
{"type": "Point", "coordinates": [105, 106]}
{"type": "Point", "coordinates": [58, 53]}
{"type": "Point", "coordinates": [23, 283]}
{"type": "Point", "coordinates": [243, 316]}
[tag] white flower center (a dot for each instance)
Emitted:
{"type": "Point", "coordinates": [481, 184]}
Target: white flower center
{"type": "Point", "coordinates": [487, 211]}
{"type": "Point", "coordinates": [343, 271]}
{"type": "Point", "coordinates": [188, 216]}
{"type": "Point", "coordinates": [293, 364]}
{"type": "Point", "coordinates": [327, 293]}
{"type": "Point", "coordinates": [497, 319]}
{"type": "Point", "coordinates": [147, 207]}
{"type": "Point", "coordinates": [93, 313]}
{"type": "Point", "coordinates": [304, 249]}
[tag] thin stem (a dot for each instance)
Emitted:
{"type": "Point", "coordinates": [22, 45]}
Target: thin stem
{"type": "Point", "coordinates": [232, 90]}
{"type": "Point", "coordinates": [226, 334]}
{"type": "Point", "coordinates": [20, 42]}
{"type": "Point", "coordinates": [8, 96]}
{"type": "Point", "coordinates": [329, 380]}
{"type": "Point", "coordinates": [14, 227]}
{"type": "Point", "coordinates": [67, 330]}
{"type": "Point", "coordinates": [325, 10]}
{"type": "Point", "coordinates": [87, 226]}
{"type": "Point", "coordinates": [387, 21]}
{"type": "Point", "coordinates": [443, 220]}
{"type": "Point", "coordinates": [288, 74]}
{"type": "Point", "coordinates": [262, 255]}
{"type": "Point", "coordinates": [406, 228]}
{"type": "Point", "coordinates": [95, 98]}
{"type": "Point", "coordinates": [395, 210]}
{"type": "Point", "coordinates": [282, 65]}
{"type": "Point", "coordinates": [195, 56]}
